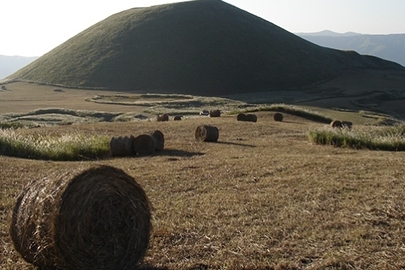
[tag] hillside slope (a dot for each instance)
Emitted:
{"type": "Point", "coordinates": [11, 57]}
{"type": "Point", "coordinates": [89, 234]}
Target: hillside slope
{"type": "Point", "coordinates": [205, 47]}
{"type": "Point", "coordinates": [389, 47]}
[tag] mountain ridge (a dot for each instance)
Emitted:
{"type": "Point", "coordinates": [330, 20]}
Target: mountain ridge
{"type": "Point", "coordinates": [205, 47]}
{"type": "Point", "coordinates": [386, 46]}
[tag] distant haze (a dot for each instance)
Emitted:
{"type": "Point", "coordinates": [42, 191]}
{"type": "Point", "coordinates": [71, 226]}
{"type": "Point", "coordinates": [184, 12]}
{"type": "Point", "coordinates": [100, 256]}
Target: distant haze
{"type": "Point", "coordinates": [389, 47]}
{"type": "Point", "coordinates": [10, 64]}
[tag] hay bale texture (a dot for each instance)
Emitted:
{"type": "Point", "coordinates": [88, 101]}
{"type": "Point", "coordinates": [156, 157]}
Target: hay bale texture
{"type": "Point", "coordinates": [215, 113]}
{"type": "Point", "coordinates": [122, 146]}
{"type": "Point", "coordinates": [207, 133]}
{"type": "Point", "coordinates": [278, 117]}
{"type": "Point", "coordinates": [144, 144]}
{"type": "Point", "coordinates": [251, 118]}
{"type": "Point", "coordinates": [96, 218]}
{"type": "Point", "coordinates": [336, 124]}
{"type": "Point", "coordinates": [241, 117]}
{"type": "Point", "coordinates": [163, 118]}
{"type": "Point", "coordinates": [347, 124]}
{"type": "Point", "coordinates": [159, 140]}
{"type": "Point", "coordinates": [247, 117]}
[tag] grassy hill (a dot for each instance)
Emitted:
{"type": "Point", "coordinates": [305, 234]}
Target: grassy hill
{"type": "Point", "coordinates": [205, 47]}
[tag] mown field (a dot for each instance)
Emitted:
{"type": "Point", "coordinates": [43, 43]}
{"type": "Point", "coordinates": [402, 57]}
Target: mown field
{"type": "Point", "coordinates": [262, 197]}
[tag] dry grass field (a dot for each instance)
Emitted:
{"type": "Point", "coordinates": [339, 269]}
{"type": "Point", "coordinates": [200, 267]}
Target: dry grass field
{"type": "Point", "coordinates": [262, 197]}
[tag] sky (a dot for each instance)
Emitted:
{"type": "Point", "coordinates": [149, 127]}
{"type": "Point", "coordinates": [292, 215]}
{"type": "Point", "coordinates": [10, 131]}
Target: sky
{"type": "Point", "coordinates": [34, 27]}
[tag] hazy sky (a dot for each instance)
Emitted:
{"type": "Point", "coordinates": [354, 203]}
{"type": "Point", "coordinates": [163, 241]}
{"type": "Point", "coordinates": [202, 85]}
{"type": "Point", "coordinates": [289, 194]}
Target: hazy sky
{"type": "Point", "coordinates": [34, 27]}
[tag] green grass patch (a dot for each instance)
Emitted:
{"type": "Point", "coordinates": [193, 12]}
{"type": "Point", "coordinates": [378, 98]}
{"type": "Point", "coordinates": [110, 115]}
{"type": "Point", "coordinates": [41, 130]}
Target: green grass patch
{"type": "Point", "coordinates": [10, 125]}
{"type": "Point", "coordinates": [66, 147]}
{"type": "Point", "coordinates": [367, 137]}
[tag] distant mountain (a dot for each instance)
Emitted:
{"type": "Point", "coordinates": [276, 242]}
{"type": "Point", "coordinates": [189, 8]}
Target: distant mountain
{"type": "Point", "coordinates": [205, 47]}
{"type": "Point", "coordinates": [10, 64]}
{"type": "Point", "coordinates": [390, 47]}
{"type": "Point", "coordinates": [328, 33]}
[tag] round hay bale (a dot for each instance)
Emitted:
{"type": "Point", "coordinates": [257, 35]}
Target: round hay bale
{"type": "Point", "coordinates": [159, 139]}
{"type": "Point", "coordinates": [215, 113]}
{"type": "Point", "coordinates": [144, 144]}
{"type": "Point", "coordinates": [251, 118]}
{"type": "Point", "coordinates": [97, 218]}
{"type": "Point", "coordinates": [241, 117]}
{"type": "Point", "coordinates": [163, 118]}
{"type": "Point", "coordinates": [278, 117]}
{"type": "Point", "coordinates": [336, 124]}
{"type": "Point", "coordinates": [207, 133]}
{"type": "Point", "coordinates": [177, 118]}
{"type": "Point", "coordinates": [122, 146]}
{"type": "Point", "coordinates": [347, 124]}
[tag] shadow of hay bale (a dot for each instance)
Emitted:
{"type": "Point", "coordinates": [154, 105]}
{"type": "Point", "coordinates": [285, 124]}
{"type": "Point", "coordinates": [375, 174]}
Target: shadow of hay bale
{"type": "Point", "coordinates": [98, 218]}
{"type": "Point", "coordinates": [207, 133]}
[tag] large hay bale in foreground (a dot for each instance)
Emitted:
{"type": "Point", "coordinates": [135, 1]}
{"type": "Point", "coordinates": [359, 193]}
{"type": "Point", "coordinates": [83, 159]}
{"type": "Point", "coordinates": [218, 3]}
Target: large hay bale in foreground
{"type": "Point", "coordinates": [159, 139]}
{"type": "Point", "coordinates": [122, 146]}
{"type": "Point", "coordinates": [278, 117]}
{"type": "Point", "coordinates": [97, 218]}
{"type": "Point", "coordinates": [144, 144]}
{"type": "Point", "coordinates": [207, 133]}
{"type": "Point", "coordinates": [336, 124]}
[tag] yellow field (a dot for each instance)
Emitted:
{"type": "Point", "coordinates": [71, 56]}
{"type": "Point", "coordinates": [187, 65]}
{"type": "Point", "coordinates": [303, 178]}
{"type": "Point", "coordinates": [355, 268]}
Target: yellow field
{"type": "Point", "coordinates": [262, 197]}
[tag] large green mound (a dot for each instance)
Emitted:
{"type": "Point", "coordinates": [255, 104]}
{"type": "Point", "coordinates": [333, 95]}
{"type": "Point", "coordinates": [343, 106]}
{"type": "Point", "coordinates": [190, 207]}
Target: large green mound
{"type": "Point", "coordinates": [204, 47]}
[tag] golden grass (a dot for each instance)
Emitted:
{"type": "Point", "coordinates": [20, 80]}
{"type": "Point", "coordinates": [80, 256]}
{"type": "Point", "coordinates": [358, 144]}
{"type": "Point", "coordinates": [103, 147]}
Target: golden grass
{"type": "Point", "coordinates": [262, 197]}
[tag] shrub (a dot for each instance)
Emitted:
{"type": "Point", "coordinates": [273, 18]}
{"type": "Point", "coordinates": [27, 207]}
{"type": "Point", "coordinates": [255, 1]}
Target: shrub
{"type": "Point", "coordinates": [73, 146]}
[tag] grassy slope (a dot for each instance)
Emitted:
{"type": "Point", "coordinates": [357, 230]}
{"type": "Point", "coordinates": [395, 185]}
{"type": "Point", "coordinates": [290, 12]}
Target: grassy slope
{"type": "Point", "coordinates": [199, 47]}
{"type": "Point", "coordinates": [260, 197]}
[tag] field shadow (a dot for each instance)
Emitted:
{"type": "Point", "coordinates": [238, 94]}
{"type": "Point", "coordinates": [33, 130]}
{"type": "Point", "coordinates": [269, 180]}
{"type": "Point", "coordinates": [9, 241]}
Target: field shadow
{"type": "Point", "coordinates": [178, 153]}
{"type": "Point", "coordinates": [237, 144]}
{"type": "Point", "coordinates": [150, 267]}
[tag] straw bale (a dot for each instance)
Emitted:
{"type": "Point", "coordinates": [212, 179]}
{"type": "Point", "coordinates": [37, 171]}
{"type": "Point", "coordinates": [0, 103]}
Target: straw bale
{"type": "Point", "coordinates": [159, 139]}
{"type": "Point", "coordinates": [215, 113]}
{"type": "Point", "coordinates": [177, 118]}
{"type": "Point", "coordinates": [278, 117]}
{"type": "Point", "coordinates": [144, 144]}
{"type": "Point", "coordinates": [347, 124]}
{"type": "Point", "coordinates": [163, 118]}
{"type": "Point", "coordinates": [251, 118]}
{"type": "Point", "coordinates": [336, 124]}
{"type": "Point", "coordinates": [207, 133]}
{"type": "Point", "coordinates": [95, 218]}
{"type": "Point", "coordinates": [122, 146]}
{"type": "Point", "coordinates": [241, 117]}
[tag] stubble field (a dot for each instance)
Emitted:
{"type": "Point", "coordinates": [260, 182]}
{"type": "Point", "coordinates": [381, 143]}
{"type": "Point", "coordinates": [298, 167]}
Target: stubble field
{"type": "Point", "coordinates": [262, 197]}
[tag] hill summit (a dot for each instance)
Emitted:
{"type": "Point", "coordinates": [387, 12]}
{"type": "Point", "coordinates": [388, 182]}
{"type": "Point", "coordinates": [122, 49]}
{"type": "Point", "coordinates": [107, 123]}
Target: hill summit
{"type": "Point", "coordinates": [203, 47]}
